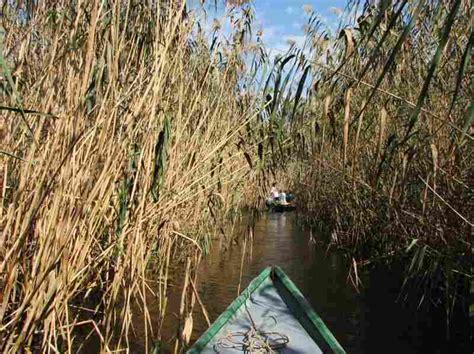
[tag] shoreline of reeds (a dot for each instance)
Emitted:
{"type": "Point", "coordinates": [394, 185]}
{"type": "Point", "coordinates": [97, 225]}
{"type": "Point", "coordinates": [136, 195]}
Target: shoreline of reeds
{"type": "Point", "coordinates": [124, 144]}
{"type": "Point", "coordinates": [380, 147]}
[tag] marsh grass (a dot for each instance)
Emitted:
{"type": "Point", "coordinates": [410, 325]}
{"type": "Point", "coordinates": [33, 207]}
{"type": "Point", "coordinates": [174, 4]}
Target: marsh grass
{"type": "Point", "coordinates": [130, 137]}
{"type": "Point", "coordinates": [381, 148]}
{"type": "Point", "coordinates": [125, 144]}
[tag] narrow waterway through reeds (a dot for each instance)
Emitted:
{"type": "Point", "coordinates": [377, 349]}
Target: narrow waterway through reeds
{"type": "Point", "coordinates": [371, 320]}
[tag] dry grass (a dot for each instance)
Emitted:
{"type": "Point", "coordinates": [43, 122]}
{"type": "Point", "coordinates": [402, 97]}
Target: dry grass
{"type": "Point", "coordinates": [382, 146]}
{"type": "Point", "coordinates": [127, 141]}
{"type": "Point", "coordinates": [136, 153]}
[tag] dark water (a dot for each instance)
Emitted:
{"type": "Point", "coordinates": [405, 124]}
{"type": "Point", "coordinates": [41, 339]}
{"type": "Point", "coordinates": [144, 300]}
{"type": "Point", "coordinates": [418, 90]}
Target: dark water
{"type": "Point", "coordinates": [371, 321]}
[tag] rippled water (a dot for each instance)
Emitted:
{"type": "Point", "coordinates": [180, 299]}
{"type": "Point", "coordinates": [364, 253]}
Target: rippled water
{"type": "Point", "coordinates": [371, 321]}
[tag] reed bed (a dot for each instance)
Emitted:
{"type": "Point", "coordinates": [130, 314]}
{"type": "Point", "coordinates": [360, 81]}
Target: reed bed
{"type": "Point", "coordinates": [125, 145]}
{"type": "Point", "coordinates": [130, 136]}
{"type": "Point", "coordinates": [379, 146]}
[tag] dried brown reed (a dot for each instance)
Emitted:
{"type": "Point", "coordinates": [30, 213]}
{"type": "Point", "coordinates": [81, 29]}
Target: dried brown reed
{"type": "Point", "coordinates": [120, 126]}
{"type": "Point", "coordinates": [375, 179]}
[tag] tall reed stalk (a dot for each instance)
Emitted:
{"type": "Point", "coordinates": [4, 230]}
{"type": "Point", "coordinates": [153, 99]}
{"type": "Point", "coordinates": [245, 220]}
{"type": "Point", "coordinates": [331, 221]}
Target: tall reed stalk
{"type": "Point", "coordinates": [124, 137]}
{"type": "Point", "coordinates": [389, 105]}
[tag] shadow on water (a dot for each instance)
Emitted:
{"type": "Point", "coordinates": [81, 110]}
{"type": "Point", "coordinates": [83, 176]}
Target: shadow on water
{"type": "Point", "coordinates": [371, 321]}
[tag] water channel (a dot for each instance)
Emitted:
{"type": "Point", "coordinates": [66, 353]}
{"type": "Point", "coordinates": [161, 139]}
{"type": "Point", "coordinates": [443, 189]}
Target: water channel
{"type": "Point", "coordinates": [369, 321]}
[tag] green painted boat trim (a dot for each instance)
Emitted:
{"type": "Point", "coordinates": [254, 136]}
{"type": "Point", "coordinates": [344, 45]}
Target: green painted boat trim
{"type": "Point", "coordinates": [229, 312]}
{"type": "Point", "coordinates": [300, 307]}
{"type": "Point", "coordinates": [304, 312]}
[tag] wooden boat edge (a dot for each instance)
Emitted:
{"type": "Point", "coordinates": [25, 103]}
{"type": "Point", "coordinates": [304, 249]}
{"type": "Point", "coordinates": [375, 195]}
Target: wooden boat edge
{"type": "Point", "coordinates": [229, 312]}
{"type": "Point", "coordinates": [306, 314]}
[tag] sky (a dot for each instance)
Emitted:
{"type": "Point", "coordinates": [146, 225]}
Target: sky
{"type": "Point", "coordinates": [283, 20]}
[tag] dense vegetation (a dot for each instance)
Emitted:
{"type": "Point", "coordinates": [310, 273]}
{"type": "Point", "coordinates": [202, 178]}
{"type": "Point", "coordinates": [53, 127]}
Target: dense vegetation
{"type": "Point", "coordinates": [378, 139]}
{"type": "Point", "coordinates": [130, 135]}
{"type": "Point", "coordinates": [381, 145]}
{"type": "Point", "coordinates": [387, 133]}
{"type": "Point", "coordinates": [121, 147]}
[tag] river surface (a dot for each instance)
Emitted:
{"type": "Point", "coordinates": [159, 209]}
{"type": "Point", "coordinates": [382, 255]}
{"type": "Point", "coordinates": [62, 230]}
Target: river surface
{"type": "Point", "coordinates": [369, 321]}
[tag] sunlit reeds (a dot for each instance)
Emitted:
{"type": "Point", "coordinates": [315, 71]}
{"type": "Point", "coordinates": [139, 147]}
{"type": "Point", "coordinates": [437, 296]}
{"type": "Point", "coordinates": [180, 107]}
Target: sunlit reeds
{"type": "Point", "coordinates": [121, 132]}
{"type": "Point", "coordinates": [389, 117]}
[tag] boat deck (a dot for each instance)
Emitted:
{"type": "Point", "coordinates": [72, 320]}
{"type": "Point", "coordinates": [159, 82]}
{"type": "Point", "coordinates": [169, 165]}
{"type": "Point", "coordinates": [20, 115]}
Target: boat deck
{"type": "Point", "coordinates": [270, 313]}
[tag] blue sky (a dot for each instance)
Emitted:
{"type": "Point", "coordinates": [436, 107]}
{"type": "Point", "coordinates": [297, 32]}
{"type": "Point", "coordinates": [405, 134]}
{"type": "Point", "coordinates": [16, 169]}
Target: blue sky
{"type": "Point", "coordinates": [283, 20]}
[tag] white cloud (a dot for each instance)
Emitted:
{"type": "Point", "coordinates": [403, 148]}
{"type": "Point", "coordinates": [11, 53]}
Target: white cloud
{"type": "Point", "coordinates": [270, 32]}
{"type": "Point", "coordinates": [297, 25]}
{"type": "Point", "coordinates": [290, 10]}
{"type": "Point", "coordinates": [281, 46]}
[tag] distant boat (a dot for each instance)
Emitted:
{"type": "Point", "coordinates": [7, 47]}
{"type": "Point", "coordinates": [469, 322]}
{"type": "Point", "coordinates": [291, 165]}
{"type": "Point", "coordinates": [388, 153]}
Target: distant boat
{"type": "Point", "coordinates": [280, 208]}
{"type": "Point", "coordinates": [270, 314]}
{"type": "Point", "coordinates": [275, 205]}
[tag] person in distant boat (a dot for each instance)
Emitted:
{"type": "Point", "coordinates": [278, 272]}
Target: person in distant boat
{"type": "Point", "coordinates": [289, 197]}
{"type": "Point", "coordinates": [283, 198]}
{"type": "Point", "coordinates": [274, 192]}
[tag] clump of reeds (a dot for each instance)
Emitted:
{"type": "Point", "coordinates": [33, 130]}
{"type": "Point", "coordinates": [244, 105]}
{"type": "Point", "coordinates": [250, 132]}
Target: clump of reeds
{"type": "Point", "coordinates": [381, 145]}
{"type": "Point", "coordinates": [124, 138]}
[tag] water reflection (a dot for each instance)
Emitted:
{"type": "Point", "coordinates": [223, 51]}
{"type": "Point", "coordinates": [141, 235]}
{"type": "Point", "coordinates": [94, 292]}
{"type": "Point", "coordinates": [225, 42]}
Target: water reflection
{"type": "Point", "coordinates": [279, 241]}
{"type": "Point", "coordinates": [369, 322]}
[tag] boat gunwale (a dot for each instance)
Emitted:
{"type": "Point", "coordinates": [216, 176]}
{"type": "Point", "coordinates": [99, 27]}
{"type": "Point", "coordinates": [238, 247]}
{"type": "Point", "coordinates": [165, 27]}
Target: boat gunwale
{"type": "Point", "coordinates": [278, 276]}
{"type": "Point", "coordinates": [281, 208]}
{"type": "Point", "coordinates": [229, 312]}
{"type": "Point", "coordinates": [307, 310]}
